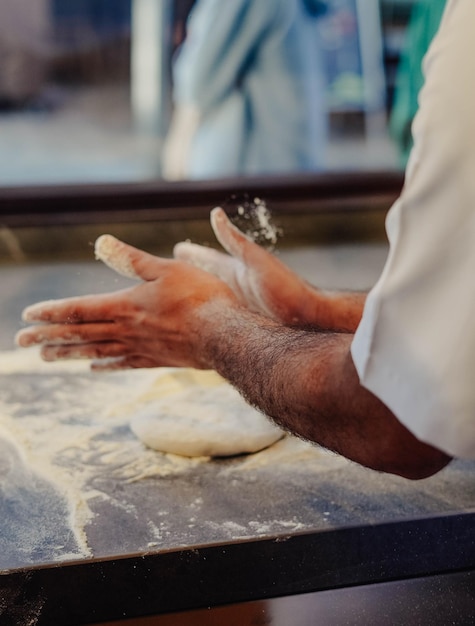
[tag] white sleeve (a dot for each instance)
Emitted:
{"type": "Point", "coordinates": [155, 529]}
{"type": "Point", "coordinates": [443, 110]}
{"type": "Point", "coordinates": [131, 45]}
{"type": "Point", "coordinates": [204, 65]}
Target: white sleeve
{"type": "Point", "coordinates": [415, 346]}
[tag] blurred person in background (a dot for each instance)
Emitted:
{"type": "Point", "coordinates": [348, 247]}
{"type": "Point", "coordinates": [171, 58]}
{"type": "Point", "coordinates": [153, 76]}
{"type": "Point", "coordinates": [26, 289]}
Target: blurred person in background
{"type": "Point", "coordinates": [248, 91]}
{"type": "Point", "coordinates": [24, 27]}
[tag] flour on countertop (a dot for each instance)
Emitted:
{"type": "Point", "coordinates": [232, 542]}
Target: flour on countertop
{"type": "Point", "coordinates": [68, 430]}
{"type": "Point", "coordinates": [67, 436]}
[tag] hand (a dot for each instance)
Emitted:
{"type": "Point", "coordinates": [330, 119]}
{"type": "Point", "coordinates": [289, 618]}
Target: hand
{"type": "Point", "coordinates": [259, 280]}
{"type": "Point", "coordinates": [156, 323]}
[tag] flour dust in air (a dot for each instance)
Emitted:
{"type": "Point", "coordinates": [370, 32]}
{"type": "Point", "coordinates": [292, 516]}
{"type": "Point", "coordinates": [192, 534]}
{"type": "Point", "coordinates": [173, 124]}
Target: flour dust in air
{"type": "Point", "coordinates": [253, 218]}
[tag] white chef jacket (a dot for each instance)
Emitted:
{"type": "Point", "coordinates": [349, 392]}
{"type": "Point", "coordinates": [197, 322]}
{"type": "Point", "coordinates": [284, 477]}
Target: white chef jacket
{"type": "Point", "coordinates": [415, 346]}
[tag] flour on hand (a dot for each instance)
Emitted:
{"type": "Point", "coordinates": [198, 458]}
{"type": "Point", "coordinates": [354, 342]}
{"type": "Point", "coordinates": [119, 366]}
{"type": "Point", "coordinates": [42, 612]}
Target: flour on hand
{"type": "Point", "coordinates": [107, 250]}
{"type": "Point", "coordinates": [197, 413]}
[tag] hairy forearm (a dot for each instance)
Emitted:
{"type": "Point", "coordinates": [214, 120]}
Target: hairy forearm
{"type": "Point", "coordinates": [306, 382]}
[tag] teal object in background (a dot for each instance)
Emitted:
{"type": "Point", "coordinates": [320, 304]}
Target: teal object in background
{"type": "Point", "coordinates": [424, 23]}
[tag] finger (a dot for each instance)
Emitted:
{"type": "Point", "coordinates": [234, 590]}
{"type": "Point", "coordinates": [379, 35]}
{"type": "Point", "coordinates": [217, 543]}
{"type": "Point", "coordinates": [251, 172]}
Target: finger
{"type": "Point", "coordinates": [82, 351]}
{"type": "Point", "coordinates": [233, 240]}
{"type": "Point", "coordinates": [204, 258]}
{"type": "Point", "coordinates": [241, 247]}
{"type": "Point", "coordinates": [223, 266]}
{"type": "Point", "coordinates": [127, 260]}
{"type": "Point", "coordinates": [122, 363]}
{"type": "Point", "coordinates": [66, 334]}
{"type": "Point", "coordinates": [96, 308]}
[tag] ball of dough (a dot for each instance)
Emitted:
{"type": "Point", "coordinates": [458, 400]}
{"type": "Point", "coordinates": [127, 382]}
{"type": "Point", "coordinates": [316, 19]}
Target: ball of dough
{"type": "Point", "coordinates": [197, 413]}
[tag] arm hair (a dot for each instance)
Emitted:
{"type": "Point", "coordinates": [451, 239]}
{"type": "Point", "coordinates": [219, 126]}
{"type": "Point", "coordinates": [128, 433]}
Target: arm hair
{"type": "Point", "coordinates": [306, 382]}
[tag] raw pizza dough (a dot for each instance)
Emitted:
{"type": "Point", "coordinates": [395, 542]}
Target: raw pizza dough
{"type": "Point", "coordinates": [197, 413]}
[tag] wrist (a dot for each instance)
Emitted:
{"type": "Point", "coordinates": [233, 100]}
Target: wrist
{"type": "Point", "coordinates": [224, 329]}
{"type": "Point", "coordinates": [335, 311]}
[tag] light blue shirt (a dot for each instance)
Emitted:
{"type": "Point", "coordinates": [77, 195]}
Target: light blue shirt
{"type": "Point", "coordinates": [252, 70]}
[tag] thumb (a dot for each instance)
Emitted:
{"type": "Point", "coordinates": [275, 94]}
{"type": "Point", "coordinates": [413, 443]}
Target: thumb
{"type": "Point", "coordinates": [126, 260]}
{"type": "Point", "coordinates": [231, 238]}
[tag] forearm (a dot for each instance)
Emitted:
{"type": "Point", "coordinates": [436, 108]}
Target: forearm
{"type": "Point", "coordinates": [181, 316]}
{"type": "Point", "coordinates": [306, 382]}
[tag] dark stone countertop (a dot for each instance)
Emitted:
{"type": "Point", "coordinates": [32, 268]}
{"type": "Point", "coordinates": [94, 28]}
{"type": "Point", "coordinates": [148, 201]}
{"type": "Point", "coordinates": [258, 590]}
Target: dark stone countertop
{"type": "Point", "coordinates": [292, 518]}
